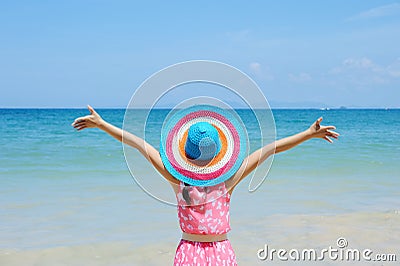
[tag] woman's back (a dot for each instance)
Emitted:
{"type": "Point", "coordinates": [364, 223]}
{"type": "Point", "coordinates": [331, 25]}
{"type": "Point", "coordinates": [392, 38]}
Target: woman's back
{"type": "Point", "coordinates": [205, 210]}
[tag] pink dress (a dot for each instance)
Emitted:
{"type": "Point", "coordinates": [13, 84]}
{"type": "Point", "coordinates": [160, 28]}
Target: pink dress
{"type": "Point", "coordinates": [209, 218]}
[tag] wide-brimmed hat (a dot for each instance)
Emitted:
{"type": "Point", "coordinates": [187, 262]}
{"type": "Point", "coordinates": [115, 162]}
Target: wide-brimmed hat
{"type": "Point", "coordinates": [203, 145]}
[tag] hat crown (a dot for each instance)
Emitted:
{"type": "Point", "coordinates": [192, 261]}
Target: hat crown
{"type": "Point", "coordinates": [203, 141]}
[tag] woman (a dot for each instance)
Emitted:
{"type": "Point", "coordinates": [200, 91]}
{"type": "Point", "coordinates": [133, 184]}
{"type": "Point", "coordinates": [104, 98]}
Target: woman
{"type": "Point", "coordinates": [203, 156]}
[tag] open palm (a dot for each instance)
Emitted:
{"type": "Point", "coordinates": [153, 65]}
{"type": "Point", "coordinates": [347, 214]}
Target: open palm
{"type": "Point", "coordinates": [325, 132]}
{"type": "Point", "coordinates": [89, 121]}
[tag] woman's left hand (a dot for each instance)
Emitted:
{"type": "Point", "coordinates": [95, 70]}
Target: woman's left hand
{"type": "Point", "coordinates": [325, 132]}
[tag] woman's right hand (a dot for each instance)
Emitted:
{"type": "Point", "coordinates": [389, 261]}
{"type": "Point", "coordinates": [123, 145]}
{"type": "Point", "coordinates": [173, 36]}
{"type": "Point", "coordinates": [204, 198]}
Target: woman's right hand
{"type": "Point", "coordinates": [316, 130]}
{"type": "Point", "coordinates": [90, 121]}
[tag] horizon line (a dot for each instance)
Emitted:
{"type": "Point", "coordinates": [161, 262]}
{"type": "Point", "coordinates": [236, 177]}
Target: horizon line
{"type": "Point", "coordinates": [238, 108]}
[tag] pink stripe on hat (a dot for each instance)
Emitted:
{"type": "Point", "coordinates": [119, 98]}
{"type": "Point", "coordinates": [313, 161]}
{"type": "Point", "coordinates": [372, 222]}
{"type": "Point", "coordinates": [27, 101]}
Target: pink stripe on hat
{"type": "Point", "coordinates": [196, 175]}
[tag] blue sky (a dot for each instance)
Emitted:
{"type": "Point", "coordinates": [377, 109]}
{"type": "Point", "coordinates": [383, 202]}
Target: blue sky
{"type": "Point", "coordinates": [71, 53]}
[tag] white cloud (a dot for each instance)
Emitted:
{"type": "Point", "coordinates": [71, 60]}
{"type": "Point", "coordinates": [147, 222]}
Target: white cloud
{"type": "Point", "coordinates": [255, 67]}
{"type": "Point", "coordinates": [363, 71]}
{"type": "Point", "coordinates": [394, 68]}
{"type": "Point", "coordinates": [357, 64]}
{"type": "Point", "coordinates": [302, 77]}
{"type": "Point", "coordinates": [262, 72]}
{"type": "Point", "coordinates": [377, 12]}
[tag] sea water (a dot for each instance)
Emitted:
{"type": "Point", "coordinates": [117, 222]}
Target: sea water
{"type": "Point", "coordinates": [68, 197]}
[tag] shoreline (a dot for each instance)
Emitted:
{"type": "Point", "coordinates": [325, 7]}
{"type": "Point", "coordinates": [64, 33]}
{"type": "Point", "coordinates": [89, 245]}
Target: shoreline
{"type": "Point", "coordinates": [378, 231]}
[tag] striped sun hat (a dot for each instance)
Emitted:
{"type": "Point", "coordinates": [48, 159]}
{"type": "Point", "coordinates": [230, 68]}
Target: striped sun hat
{"type": "Point", "coordinates": [203, 145]}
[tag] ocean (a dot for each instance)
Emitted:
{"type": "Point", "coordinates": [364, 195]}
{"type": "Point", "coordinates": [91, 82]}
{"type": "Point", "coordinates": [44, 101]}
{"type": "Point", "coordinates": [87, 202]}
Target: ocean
{"type": "Point", "coordinates": [68, 198]}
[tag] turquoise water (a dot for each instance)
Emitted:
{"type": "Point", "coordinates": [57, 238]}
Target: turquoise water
{"type": "Point", "coordinates": [60, 187]}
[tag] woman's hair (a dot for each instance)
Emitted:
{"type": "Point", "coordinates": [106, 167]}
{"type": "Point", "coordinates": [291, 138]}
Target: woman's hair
{"type": "Point", "coordinates": [185, 193]}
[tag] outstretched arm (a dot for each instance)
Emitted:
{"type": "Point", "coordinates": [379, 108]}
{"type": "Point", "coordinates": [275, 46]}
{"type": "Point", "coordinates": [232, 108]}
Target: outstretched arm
{"type": "Point", "coordinates": [94, 120]}
{"type": "Point", "coordinates": [316, 130]}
